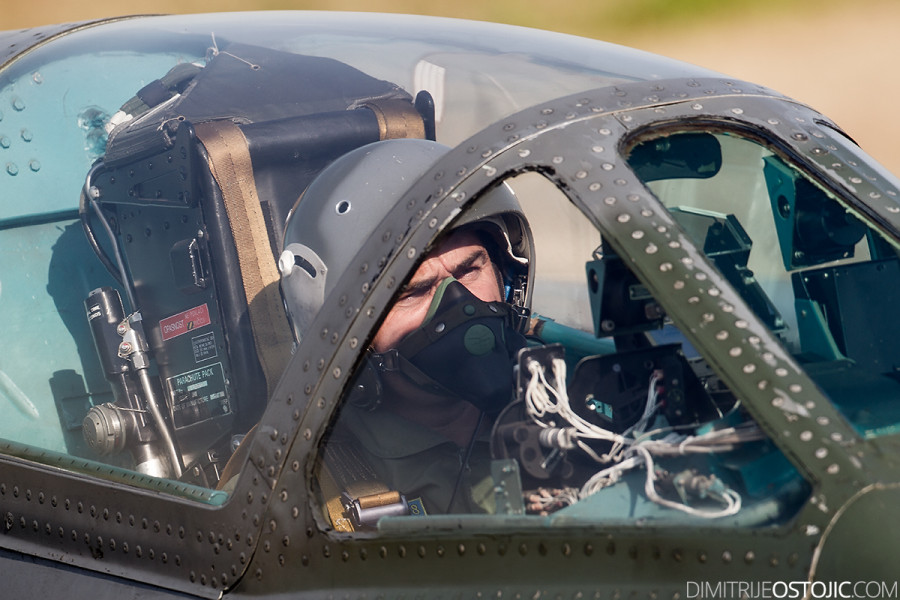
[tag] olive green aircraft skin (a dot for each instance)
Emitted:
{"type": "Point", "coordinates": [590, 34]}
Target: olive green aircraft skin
{"type": "Point", "coordinates": [74, 530]}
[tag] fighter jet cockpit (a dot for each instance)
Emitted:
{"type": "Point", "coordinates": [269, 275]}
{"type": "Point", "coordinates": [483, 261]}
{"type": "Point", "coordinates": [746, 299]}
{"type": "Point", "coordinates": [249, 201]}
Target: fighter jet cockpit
{"type": "Point", "coordinates": [577, 339]}
{"type": "Point", "coordinates": [608, 413]}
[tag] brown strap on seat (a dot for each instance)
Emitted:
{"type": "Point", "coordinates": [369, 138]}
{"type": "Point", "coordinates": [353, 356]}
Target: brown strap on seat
{"type": "Point", "coordinates": [397, 119]}
{"type": "Point", "coordinates": [230, 164]}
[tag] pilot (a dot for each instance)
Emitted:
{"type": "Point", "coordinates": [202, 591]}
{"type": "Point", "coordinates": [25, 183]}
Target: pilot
{"type": "Point", "coordinates": [416, 420]}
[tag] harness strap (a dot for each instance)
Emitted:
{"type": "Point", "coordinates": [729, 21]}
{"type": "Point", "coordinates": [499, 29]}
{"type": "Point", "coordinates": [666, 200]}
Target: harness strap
{"type": "Point", "coordinates": [396, 119]}
{"type": "Point", "coordinates": [230, 164]}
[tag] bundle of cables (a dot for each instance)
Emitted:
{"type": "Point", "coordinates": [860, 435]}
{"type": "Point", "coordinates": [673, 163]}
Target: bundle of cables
{"type": "Point", "coordinates": [548, 405]}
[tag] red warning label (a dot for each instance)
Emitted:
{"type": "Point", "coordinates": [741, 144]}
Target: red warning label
{"type": "Point", "coordinates": [183, 322]}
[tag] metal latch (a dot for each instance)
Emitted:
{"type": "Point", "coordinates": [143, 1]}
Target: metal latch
{"type": "Point", "coordinates": [365, 511]}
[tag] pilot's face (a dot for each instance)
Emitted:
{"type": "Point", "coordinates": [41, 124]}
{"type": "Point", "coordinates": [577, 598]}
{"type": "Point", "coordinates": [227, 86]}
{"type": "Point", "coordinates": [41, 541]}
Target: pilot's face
{"type": "Point", "coordinates": [460, 255]}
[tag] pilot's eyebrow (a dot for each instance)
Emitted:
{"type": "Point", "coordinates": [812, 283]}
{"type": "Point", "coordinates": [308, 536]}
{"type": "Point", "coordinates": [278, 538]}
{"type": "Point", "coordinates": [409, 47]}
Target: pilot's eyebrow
{"type": "Point", "coordinates": [426, 283]}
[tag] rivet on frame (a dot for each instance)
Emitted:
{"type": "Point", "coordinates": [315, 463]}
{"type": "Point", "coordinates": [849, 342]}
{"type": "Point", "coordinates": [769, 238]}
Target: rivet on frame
{"type": "Point", "coordinates": [604, 131]}
{"type": "Point", "coordinates": [821, 453]}
{"type": "Point", "coordinates": [735, 352]}
{"type": "Point", "coordinates": [595, 186]}
{"type": "Point", "coordinates": [651, 249]}
{"type": "Point", "coordinates": [609, 200]}
{"type": "Point", "coordinates": [524, 153]}
{"type": "Point", "coordinates": [678, 285]}
{"type": "Point", "coordinates": [307, 434]}
{"type": "Point", "coordinates": [557, 160]}
{"type": "Point", "coordinates": [581, 174]}
{"type": "Point", "coordinates": [726, 556]}
{"type": "Point", "coordinates": [806, 436]}
{"type": "Point", "coordinates": [781, 372]}
{"type": "Point", "coordinates": [666, 267]}
{"type": "Point", "coordinates": [749, 368]}
{"type": "Point", "coordinates": [411, 253]}
{"type": "Point", "coordinates": [833, 469]}
{"type": "Point", "coordinates": [697, 106]}
{"type": "Point", "coordinates": [623, 218]}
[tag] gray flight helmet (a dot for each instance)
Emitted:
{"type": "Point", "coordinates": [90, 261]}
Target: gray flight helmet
{"type": "Point", "coordinates": [346, 202]}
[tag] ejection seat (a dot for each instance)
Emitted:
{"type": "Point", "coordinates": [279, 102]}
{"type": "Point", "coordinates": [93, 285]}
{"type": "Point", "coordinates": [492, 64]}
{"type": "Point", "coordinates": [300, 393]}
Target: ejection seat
{"type": "Point", "coordinates": [197, 184]}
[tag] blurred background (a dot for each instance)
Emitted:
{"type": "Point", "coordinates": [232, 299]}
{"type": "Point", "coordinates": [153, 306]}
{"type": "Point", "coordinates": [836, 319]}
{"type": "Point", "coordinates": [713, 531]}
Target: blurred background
{"type": "Point", "coordinates": [834, 55]}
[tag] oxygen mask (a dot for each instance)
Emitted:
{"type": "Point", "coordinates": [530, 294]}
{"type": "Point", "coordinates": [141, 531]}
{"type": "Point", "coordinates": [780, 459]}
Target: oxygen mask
{"type": "Point", "coordinates": [465, 348]}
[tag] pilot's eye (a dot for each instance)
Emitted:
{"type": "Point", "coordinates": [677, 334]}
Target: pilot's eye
{"type": "Point", "coordinates": [413, 293]}
{"type": "Point", "coordinates": [472, 270]}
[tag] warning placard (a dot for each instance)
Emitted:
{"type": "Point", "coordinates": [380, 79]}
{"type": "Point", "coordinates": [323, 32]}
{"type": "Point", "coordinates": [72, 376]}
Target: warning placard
{"type": "Point", "coordinates": [204, 347]}
{"type": "Point", "coordinates": [183, 322]}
